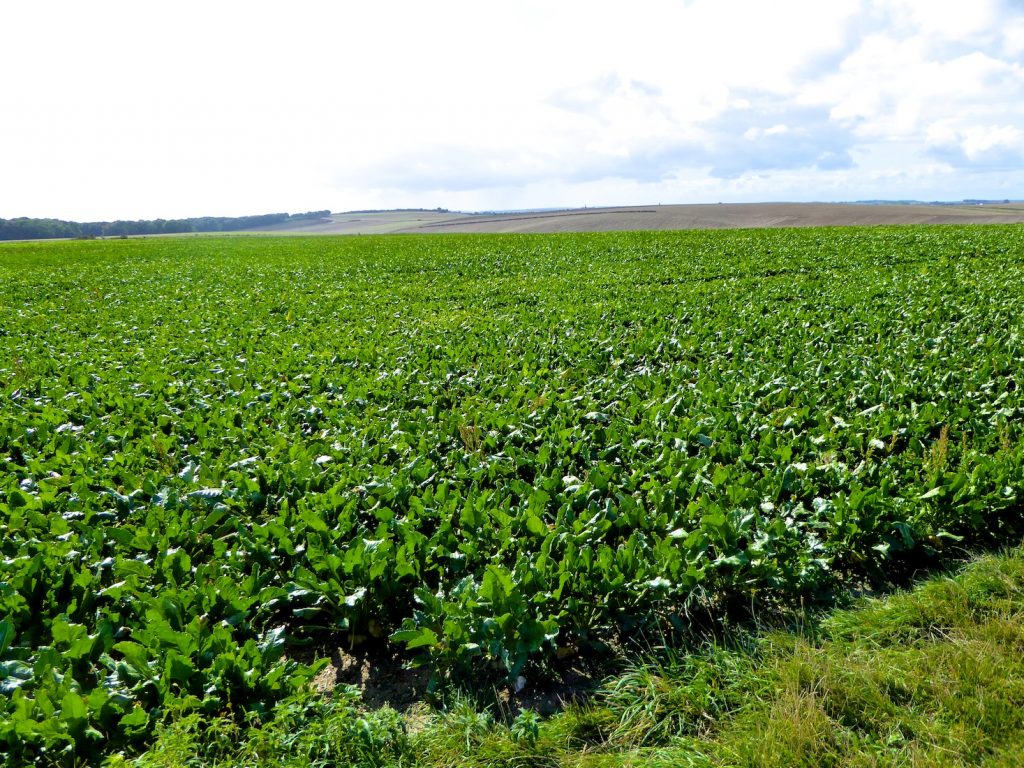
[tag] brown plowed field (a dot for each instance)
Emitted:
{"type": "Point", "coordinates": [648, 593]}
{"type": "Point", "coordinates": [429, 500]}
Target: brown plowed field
{"type": "Point", "coordinates": [663, 217]}
{"type": "Point", "coordinates": [729, 216]}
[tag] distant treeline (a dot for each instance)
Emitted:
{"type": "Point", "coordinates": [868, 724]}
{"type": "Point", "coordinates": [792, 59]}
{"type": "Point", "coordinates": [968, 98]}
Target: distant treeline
{"type": "Point", "coordinates": [937, 202]}
{"type": "Point", "coordinates": [401, 210]}
{"type": "Point", "coordinates": [43, 229]}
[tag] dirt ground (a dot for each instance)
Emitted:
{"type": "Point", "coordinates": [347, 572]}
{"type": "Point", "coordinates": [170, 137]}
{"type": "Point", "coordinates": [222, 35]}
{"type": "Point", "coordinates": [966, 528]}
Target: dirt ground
{"type": "Point", "coordinates": [732, 216]}
{"type": "Point", "coordinates": [362, 223]}
{"type": "Point", "coordinates": [384, 679]}
{"type": "Point", "coordinates": [660, 217]}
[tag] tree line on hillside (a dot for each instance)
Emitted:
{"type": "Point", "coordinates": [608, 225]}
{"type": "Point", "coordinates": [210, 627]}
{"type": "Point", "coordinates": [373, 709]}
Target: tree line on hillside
{"type": "Point", "coordinates": [44, 229]}
{"type": "Point", "coordinates": [401, 210]}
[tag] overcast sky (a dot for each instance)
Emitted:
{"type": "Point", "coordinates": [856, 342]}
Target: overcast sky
{"type": "Point", "coordinates": [157, 109]}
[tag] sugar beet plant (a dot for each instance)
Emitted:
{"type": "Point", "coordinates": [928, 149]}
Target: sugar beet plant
{"type": "Point", "coordinates": [480, 450]}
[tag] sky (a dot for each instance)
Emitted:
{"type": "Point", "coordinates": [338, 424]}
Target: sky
{"type": "Point", "coordinates": [129, 110]}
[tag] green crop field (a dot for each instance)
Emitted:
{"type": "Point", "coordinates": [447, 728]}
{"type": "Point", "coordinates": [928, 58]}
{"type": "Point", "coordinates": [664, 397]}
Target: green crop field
{"type": "Point", "coordinates": [220, 456]}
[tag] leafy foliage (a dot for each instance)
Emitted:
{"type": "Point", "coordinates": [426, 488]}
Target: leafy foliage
{"type": "Point", "coordinates": [481, 449]}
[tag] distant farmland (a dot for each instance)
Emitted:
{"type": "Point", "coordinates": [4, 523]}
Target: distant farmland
{"type": "Point", "coordinates": [660, 217]}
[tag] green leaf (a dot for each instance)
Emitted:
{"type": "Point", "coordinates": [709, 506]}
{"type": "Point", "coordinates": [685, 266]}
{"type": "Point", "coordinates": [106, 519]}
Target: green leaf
{"type": "Point", "coordinates": [73, 707]}
{"type": "Point", "coordinates": [136, 655]}
{"type": "Point", "coordinates": [6, 635]}
{"type": "Point", "coordinates": [273, 640]}
{"type": "Point", "coordinates": [177, 668]}
{"type": "Point", "coordinates": [135, 720]}
{"type": "Point", "coordinates": [355, 598]}
{"type": "Point", "coordinates": [415, 638]}
{"type": "Point", "coordinates": [535, 525]}
{"type": "Point", "coordinates": [13, 674]}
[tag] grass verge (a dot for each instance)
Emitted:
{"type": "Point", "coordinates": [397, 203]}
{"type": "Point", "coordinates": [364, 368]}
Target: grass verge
{"type": "Point", "coordinates": [930, 676]}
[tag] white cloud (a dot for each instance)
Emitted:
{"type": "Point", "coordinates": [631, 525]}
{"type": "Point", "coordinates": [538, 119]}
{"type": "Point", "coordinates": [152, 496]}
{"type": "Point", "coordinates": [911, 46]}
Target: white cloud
{"type": "Point", "coordinates": [946, 20]}
{"type": "Point", "coordinates": [890, 89]}
{"type": "Point", "coordinates": [754, 133]}
{"type": "Point", "coordinates": [1013, 37]}
{"type": "Point", "coordinates": [126, 109]}
{"type": "Point", "coordinates": [989, 146]}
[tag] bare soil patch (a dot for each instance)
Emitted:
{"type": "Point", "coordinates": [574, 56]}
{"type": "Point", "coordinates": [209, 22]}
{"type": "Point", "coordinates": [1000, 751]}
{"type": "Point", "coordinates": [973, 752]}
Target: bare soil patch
{"type": "Point", "coordinates": [381, 677]}
{"type": "Point", "coordinates": [385, 679]}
